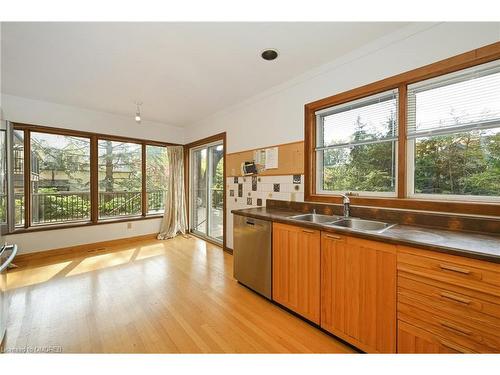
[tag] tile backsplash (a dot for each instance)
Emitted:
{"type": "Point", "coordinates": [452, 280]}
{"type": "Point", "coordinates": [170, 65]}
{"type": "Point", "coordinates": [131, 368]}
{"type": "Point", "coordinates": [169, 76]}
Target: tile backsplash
{"type": "Point", "coordinates": [253, 191]}
{"type": "Point", "coordinates": [289, 188]}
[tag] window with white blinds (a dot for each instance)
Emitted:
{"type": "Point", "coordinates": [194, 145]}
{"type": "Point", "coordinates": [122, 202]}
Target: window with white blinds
{"type": "Point", "coordinates": [454, 134]}
{"type": "Point", "coordinates": [356, 145]}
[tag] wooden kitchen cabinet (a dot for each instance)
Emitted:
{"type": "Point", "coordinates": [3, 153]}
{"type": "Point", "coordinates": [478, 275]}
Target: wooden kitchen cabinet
{"type": "Point", "coordinates": [296, 269]}
{"type": "Point", "coordinates": [412, 339]}
{"type": "Point", "coordinates": [358, 291]}
{"type": "Point", "coordinates": [451, 303]}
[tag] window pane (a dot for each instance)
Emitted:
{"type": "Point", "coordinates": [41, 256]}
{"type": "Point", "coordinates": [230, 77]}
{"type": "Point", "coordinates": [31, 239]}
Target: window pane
{"type": "Point", "coordinates": [200, 198]}
{"type": "Point", "coordinates": [19, 176]}
{"type": "Point", "coordinates": [60, 178]}
{"type": "Point", "coordinates": [460, 164]}
{"type": "Point", "coordinates": [3, 176]}
{"type": "Point", "coordinates": [454, 132]}
{"type": "Point", "coordinates": [120, 182]}
{"type": "Point", "coordinates": [464, 101]}
{"type": "Point", "coordinates": [368, 119]}
{"type": "Point", "coordinates": [216, 192]}
{"type": "Point", "coordinates": [367, 168]}
{"type": "Point", "coordinates": [357, 144]}
{"type": "Point", "coordinates": [156, 177]}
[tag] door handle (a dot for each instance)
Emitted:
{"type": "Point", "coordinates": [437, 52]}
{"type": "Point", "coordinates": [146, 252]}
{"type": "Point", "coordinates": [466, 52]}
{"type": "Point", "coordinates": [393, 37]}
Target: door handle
{"type": "Point", "coordinates": [332, 237]}
{"type": "Point", "coordinates": [448, 267]}
{"type": "Point", "coordinates": [250, 223]}
{"type": "Point", "coordinates": [455, 298]}
{"type": "Point", "coordinates": [453, 327]}
{"type": "Point", "coordinates": [451, 346]}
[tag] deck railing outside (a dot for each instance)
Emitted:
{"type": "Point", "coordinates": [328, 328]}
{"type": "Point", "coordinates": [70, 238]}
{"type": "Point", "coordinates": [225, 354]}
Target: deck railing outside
{"type": "Point", "coordinates": [60, 207]}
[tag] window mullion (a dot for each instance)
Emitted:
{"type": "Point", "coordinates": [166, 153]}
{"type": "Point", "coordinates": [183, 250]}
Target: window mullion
{"type": "Point", "coordinates": [94, 183]}
{"type": "Point", "coordinates": [402, 188]}
{"type": "Point", "coordinates": [144, 194]}
{"type": "Point", "coordinates": [27, 178]}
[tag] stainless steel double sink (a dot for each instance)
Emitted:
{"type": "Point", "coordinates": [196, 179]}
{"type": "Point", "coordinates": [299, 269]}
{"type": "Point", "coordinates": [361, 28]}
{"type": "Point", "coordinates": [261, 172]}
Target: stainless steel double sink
{"type": "Point", "coordinates": [341, 222]}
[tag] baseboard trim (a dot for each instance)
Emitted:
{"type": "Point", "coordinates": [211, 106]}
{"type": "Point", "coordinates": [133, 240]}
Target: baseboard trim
{"type": "Point", "coordinates": [79, 250]}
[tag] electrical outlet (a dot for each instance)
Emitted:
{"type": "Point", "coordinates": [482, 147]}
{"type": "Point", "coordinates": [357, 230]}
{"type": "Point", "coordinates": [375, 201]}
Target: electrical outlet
{"type": "Point", "coordinates": [129, 225]}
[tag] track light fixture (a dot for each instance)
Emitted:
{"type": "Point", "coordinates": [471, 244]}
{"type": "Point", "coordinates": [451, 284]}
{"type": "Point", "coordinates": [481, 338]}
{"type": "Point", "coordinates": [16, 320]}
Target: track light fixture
{"type": "Point", "coordinates": [138, 112]}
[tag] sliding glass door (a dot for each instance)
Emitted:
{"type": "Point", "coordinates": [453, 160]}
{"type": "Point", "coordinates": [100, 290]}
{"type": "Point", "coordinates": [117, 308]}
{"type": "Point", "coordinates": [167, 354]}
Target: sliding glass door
{"type": "Point", "coordinates": [207, 186]}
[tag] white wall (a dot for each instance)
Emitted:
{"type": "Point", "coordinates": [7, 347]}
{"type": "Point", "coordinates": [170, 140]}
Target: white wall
{"type": "Point", "coordinates": [58, 238]}
{"type": "Point", "coordinates": [277, 115]}
{"type": "Point", "coordinates": [50, 114]}
{"type": "Point", "coordinates": [39, 112]}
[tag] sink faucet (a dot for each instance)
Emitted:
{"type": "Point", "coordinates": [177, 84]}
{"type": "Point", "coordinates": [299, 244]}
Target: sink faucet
{"type": "Point", "coordinates": [346, 202]}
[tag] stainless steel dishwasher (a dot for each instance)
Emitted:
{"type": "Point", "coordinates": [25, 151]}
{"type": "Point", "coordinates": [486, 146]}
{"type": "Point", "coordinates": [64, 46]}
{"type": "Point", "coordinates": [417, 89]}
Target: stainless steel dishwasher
{"type": "Point", "coordinates": [252, 253]}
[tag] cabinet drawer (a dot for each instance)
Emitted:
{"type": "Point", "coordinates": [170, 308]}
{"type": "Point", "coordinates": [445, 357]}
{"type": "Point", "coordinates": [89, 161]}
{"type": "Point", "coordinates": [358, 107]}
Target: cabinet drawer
{"type": "Point", "coordinates": [453, 330]}
{"type": "Point", "coordinates": [451, 301]}
{"type": "Point", "coordinates": [468, 273]}
{"type": "Point", "coordinates": [412, 339]}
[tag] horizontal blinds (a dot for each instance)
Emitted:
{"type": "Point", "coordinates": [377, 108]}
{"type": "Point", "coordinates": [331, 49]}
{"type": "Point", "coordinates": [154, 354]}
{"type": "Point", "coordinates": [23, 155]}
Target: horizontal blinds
{"type": "Point", "coordinates": [368, 120]}
{"type": "Point", "coordinates": [462, 101]}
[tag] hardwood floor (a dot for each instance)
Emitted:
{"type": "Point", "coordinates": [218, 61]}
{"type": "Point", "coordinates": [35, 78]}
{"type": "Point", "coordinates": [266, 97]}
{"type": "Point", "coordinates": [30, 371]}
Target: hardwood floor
{"type": "Point", "coordinates": [175, 296]}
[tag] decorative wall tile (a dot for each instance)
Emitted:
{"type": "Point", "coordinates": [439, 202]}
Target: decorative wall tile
{"type": "Point", "coordinates": [240, 190]}
{"type": "Point", "coordinates": [297, 178]}
{"type": "Point", "coordinates": [259, 201]}
{"type": "Point", "coordinates": [235, 180]}
{"type": "Point", "coordinates": [249, 201]}
{"type": "Point", "coordinates": [254, 183]}
{"type": "Point", "coordinates": [276, 187]}
{"type": "Point", "coordinates": [231, 192]}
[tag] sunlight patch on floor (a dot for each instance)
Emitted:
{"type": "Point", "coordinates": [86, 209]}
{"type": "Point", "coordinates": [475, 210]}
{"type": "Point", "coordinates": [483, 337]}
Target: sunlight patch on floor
{"type": "Point", "coordinates": [35, 275]}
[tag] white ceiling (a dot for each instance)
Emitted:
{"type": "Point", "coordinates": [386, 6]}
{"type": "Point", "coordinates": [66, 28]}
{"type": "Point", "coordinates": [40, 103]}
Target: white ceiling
{"type": "Point", "coordinates": [180, 71]}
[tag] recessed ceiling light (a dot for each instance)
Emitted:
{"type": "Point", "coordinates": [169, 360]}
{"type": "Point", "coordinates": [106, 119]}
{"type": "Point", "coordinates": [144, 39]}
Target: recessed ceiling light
{"type": "Point", "coordinates": [269, 54]}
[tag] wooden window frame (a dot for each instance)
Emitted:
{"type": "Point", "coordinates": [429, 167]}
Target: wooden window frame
{"type": "Point", "coordinates": [401, 81]}
{"type": "Point", "coordinates": [94, 181]}
{"type": "Point", "coordinates": [187, 148]}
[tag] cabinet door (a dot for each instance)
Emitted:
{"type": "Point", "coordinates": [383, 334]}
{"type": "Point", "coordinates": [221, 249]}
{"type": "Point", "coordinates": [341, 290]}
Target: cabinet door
{"type": "Point", "coordinates": [358, 292]}
{"type": "Point", "coordinates": [415, 340]}
{"type": "Point", "coordinates": [296, 269]}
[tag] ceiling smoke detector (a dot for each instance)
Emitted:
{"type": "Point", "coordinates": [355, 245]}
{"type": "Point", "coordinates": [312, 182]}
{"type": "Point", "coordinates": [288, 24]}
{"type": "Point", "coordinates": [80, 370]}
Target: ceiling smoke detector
{"type": "Point", "coordinates": [269, 54]}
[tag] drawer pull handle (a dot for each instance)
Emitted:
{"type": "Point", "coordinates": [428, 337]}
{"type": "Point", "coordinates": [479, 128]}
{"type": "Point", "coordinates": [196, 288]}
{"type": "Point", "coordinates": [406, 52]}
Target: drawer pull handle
{"type": "Point", "coordinates": [455, 298]}
{"type": "Point", "coordinates": [455, 328]}
{"type": "Point", "coordinates": [307, 231]}
{"type": "Point", "coordinates": [332, 237]}
{"type": "Point", "coordinates": [451, 346]}
{"type": "Point", "coordinates": [448, 267]}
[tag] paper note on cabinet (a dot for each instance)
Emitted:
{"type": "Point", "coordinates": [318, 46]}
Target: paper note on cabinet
{"type": "Point", "coordinates": [272, 158]}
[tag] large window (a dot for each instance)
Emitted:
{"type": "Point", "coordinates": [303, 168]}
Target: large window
{"type": "Point", "coordinates": [427, 139]}
{"type": "Point", "coordinates": [60, 178]}
{"type": "Point", "coordinates": [156, 177]}
{"type": "Point", "coordinates": [454, 134]}
{"type": "Point", "coordinates": [356, 146]}
{"type": "Point", "coordinates": [83, 178]}
{"type": "Point", "coordinates": [120, 179]}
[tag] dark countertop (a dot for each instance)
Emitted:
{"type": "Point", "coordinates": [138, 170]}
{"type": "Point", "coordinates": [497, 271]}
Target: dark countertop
{"type": "Point", "coordinates": [472, 245]}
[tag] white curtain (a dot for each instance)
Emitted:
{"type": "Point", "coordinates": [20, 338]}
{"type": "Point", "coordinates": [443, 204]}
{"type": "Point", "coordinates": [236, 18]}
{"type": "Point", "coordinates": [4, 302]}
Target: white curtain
{"type": "Point", "coordinates": [175, 217]}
